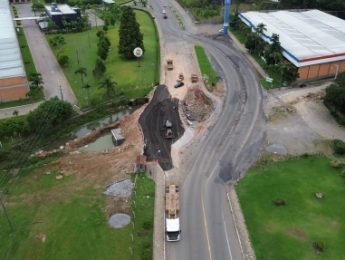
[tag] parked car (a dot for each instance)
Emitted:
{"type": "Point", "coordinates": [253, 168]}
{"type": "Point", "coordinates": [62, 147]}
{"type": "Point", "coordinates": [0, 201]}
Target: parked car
{"type": "Point", "coordinates": [179, 84]}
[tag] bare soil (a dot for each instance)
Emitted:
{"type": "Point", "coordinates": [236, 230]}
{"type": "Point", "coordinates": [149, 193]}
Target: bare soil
{"type": "Point", "coordinates": [298, 120]}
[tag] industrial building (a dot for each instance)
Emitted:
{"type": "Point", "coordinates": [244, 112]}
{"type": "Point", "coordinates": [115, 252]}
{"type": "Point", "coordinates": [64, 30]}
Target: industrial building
{"type": "Point", "coordinates": [58, 13]}
{"type": "Point", "coordinates": [13, 81]}
{"type": "Point", "coordinates": [312, 40]}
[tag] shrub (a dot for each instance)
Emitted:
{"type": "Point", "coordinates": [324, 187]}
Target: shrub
{"type": "Point", "coordinates": [147, 225]}
{"type": "Point", "coordinates": [337, 164]}
{"type": "Point", "coordinates": [279, 202]}
{"type": "Point", "coordinates": [63, 60]}
{"type": "Point", "coordinates": [99, 68]}
{"type": "Point", "coordinates": [319, 247]}
{"type": "Point", "coordinates": [338, 146]}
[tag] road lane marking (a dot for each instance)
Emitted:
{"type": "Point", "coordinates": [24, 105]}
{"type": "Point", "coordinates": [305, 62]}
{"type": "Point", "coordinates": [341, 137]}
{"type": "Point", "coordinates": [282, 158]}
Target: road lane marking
{"type": "Point", "coordinates": [233, 216]}
{"type": "Point", "coordinates": [206, 229]}
{"type": "Point", "coordinates": [227, 238]}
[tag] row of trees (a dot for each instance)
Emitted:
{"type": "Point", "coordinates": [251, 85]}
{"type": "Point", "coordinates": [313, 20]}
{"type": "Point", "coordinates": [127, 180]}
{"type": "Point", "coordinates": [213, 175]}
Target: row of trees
{"type": "Point", "coordinates": [46, 116]}
{"type": "Point", "coordinates": [271, 52]}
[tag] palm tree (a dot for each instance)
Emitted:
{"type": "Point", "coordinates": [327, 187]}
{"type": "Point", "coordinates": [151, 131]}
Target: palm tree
{"type": "Point", "coordinates": [82, 72]}
{"type": "Point", "coordinates": [260, 29]}
{"type": "Point", "coordinates": [36, 80]}
{"type": "Point", "coordinates": [109, 86]}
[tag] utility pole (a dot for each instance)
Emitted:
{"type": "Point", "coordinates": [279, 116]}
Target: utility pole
{"type": "Point", "coordinates": [6, 214]}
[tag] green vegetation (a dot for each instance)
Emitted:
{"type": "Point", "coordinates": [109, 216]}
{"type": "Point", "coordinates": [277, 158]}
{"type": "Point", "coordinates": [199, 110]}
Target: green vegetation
{"type": "Point", "coordinates": [54, 220]}
{"type": "Point", "coordinates": [338, 146]}
{"type": "Point", "coordinates": [178, 17]}
{"type": "Point", "coordinates": [133, 81]}
{"type": "Point", "coordinates": [335, 99]}
{"type": "Point", "coordinates": [294, 231]}
{"type": "Point", "coordinates": [205, 67]}
{"type": "Point", "coordinates": [144, 211]}
{"type": "Point", "coordinates": [26, 54]}
{"type": "Point", "coordinates": [276, 66]}
{"type": "Point", "coordinates": [204, 9]}
{"type": "Point", "coordinates": [130, 36]}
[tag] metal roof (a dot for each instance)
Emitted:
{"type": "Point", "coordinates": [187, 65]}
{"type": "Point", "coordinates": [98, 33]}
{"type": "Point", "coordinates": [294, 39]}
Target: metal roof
{"type": "Point", "coordinates": [56, 9]}
{"type": "Point", "coordinates": [11, 64]}
{"type": "Point", "coordinates": [307, 37]}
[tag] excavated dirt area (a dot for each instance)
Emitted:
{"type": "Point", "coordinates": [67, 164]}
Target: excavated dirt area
{"type": "Point", "coordinates": [153, 120]}
{"type": "Point", "coordinates": [196, 105]}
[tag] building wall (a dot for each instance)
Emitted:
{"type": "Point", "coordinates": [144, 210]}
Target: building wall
{"type": "Point", "coordinates": [13, 88]}
{"type": "Point", "coordinates": [321, 70]}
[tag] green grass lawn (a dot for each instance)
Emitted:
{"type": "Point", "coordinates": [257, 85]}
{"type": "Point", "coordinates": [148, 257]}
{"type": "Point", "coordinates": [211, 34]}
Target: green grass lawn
{"type": "Point", "coordinates": [133, 81]}
{"type": "Point", "coordinates": [287, 232]}
{"type": "Point", "coordinates": [205, 66]}
{"type": "Point", "coordinates": [71, 214]}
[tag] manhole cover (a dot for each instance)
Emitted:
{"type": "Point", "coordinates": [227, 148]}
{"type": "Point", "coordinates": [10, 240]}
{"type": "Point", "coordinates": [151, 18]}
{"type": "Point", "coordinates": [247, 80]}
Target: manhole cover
{"type": "Point", "coordinates": [119, 220]}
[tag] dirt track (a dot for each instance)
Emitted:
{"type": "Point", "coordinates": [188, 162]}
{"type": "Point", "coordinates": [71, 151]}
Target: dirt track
{"type": "Point", "coordinates": [161, 108]}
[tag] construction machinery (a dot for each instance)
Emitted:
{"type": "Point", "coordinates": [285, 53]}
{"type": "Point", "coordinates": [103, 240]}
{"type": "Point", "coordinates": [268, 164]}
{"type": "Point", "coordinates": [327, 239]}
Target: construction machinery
{"type": "Point", "coordinates": [170, 65]}
{"type": "Point", "coordinates": [172, 210]}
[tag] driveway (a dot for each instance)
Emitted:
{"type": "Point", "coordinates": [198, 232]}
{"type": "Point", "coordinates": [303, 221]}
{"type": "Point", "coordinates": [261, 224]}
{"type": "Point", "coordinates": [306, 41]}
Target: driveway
{"type": "Point", "coordinates": [55, 82]}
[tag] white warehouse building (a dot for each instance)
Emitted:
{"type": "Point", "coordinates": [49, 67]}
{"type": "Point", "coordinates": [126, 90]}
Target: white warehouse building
{"type": "Point", "coordinates": [312, 40]}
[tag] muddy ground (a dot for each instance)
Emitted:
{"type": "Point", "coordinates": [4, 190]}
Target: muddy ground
{"type": "Point", "coordinates": [161, 108]}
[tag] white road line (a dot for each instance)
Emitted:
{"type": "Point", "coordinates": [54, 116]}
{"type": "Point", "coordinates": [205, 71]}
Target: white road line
{"type": "Point", "coordinates": [227, 238]}
{"type": "Point", "coordinates": [233, 216]}
{"type": "Point", "coordinates": [206, 230]}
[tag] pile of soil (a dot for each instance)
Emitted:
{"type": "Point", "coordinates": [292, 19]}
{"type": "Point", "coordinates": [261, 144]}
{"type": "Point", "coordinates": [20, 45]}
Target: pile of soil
{"type": "Point", "coordinates": [196, 105]}
{"type": "Point", "coordinates": [153, 123]}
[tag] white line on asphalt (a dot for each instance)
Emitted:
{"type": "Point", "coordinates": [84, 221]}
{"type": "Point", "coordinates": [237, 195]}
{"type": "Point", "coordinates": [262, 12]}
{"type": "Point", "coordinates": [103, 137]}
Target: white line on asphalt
{"type": "Point", "coordinates": [233, 216]}
{"type": "Point", "coordinates": [206, 229]}
{"type": "Point", "coordinates": [227, 237]}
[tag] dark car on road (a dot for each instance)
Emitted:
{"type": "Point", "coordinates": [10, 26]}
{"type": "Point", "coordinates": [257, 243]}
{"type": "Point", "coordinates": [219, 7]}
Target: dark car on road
{"type": "Point", "coordinates": [179, 84]}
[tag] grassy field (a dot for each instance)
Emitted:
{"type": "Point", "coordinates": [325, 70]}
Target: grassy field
{"type": "Point", "coordinates": [288, 232]}
{"type": "Point", "coordinates": [205, 66]}
{"type": "Point", "coordinates": [133, 81]}
{"type": "Point", "coordinates": [71, 215]}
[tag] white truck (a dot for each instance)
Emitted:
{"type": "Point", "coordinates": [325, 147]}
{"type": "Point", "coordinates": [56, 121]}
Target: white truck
{"type": "Point", "coordinates": [172, 208]}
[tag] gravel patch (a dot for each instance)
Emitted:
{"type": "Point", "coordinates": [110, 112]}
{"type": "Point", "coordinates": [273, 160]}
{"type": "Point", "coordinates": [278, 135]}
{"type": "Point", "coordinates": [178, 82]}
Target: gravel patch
{"type": "Point", "coordinates": [119, 220]}
{"type": "Point", "coordinates": [122, 189]}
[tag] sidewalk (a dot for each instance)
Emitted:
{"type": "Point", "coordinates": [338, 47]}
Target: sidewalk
{"type": "Point", "coordinates": [22, 110]}
{"type": "Point", "coordinates": [156, 172]}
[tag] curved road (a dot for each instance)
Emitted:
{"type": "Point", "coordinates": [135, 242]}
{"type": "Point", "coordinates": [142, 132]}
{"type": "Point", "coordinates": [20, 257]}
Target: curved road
{"type": "Point", "coordinates": [226, 152]}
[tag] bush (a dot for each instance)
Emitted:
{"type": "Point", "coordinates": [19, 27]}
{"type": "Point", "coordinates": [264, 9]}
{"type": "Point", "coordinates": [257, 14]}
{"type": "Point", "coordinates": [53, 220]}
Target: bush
{"type": "Point", "coordinates": [319, 247]}
{"type": "Point", "coordinates": [99, 68]}
{"type": "Point", "coordinates": [338, 146]}
{"type": "Point", "coordinates": [147, 225]}
{"type": "Point", "coordinates": [63, 60]}
{"type": "Point", "coordinates": [337, 164]}
{"type": "Point", "coordinates": [14, 126]}
{"type": "Point", "coordinates": [279, 202]}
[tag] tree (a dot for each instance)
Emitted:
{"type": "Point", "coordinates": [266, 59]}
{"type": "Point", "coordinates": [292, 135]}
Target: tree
{"type": "Point", "coordinates": [341, 79]}
{"type": "Point", "coordinates": [57, 41]}
{"type": "Point", "coordinates": [129, 34]}
{"type": "Point", "coordinates": [99, 69]}
{"type": "Point", "coordinates": [335, 98]}
{"type": "Point", "coordinates": [82, 72]}
{"type": "Point", "coordinates": [37, 7]}
{"type": "Point", "coordinates": [48, 115]}
{"type": "Point", "coordinates": [36, 81]}
{"type": "Point", "coordinates": [260, 29]}
{"type": "Point", "coordinates": [63, 60]}
{"type": "Point", "coordinates": [272, 52]}
{"type": "Point", "coordinates": [288, 71]}
{"type": "Point", "coordinates": [109, 85]}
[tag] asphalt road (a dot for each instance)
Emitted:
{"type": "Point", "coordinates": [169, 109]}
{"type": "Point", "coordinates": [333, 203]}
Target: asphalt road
{"type": "Point", "coordinates": [223, 156]}
{"type": "Point", "coordinates": [44, 59]}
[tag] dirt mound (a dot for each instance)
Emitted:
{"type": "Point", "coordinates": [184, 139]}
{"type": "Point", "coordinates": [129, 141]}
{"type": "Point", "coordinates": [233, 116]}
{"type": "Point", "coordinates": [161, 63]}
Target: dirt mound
{"type": "Point", "coordinates": [196, 105]}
